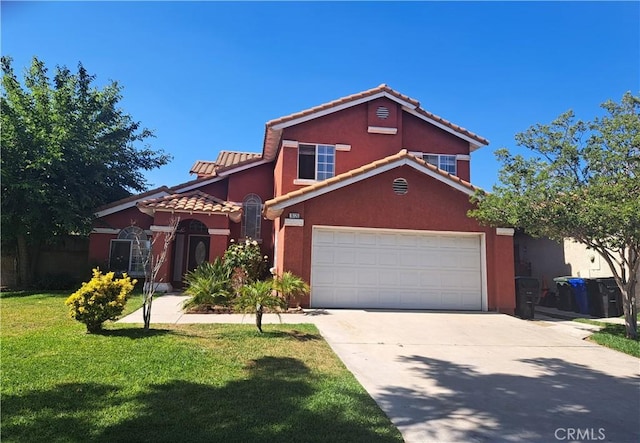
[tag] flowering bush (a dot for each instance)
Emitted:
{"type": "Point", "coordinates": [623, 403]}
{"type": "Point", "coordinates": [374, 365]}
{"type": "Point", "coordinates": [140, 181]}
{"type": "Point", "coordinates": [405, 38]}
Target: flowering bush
{"type": "Point", "coordinates": [102, 298]}
{"type": "Point", "coordinates": [245, 259]}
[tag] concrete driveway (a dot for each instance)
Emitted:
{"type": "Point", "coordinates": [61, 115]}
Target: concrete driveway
{"type": "Point", "coordinates": [482, 377]}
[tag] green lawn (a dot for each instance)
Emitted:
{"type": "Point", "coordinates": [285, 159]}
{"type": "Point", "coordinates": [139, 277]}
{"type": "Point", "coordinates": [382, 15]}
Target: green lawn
{"type": "Point", "coordinates": [613, 336]}
{"type": "Point", "coordinates": [174, 384]}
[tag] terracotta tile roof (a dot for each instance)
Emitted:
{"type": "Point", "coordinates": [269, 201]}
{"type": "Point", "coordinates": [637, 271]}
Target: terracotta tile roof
{"type": "Point", "coordinates": [225, 160]}
{"type": "Point", "coordinates": [194, 202]}
{"type": "Point", "coordinates": [272, 135]}
{"type": "Point", "coordinates": [354, 173]}
{"type": "Point", "coordinates": [133, 198]}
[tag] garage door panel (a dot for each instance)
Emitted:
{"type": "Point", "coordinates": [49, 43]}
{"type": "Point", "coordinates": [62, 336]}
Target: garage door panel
{"type": "Point", "coordinates": [395, 269]}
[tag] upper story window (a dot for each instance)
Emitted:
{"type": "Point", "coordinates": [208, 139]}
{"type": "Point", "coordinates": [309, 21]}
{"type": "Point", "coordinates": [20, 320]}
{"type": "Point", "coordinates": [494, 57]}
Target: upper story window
{"type": "Point", "coordinates": [445, 162]}
{"type": "Point", "coordinates": [251, 218]}
{"type": "Point", "coordinates": [316, 162]}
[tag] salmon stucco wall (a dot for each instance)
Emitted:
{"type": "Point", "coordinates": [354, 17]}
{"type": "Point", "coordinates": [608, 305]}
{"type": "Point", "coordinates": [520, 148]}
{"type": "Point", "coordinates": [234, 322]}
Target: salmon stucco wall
{"type": "Point", "coordinates": [429, 205]}
{"type": "Point", "coordinates": [351, 127]}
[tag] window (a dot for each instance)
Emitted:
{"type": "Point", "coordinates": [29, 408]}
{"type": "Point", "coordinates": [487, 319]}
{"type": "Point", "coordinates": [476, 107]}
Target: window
{"type": "Point", "coordinates": [316, 162]}
{"type": "Point", "coordinates": [445, 162]}
{"type": "Point", "coordinates": [251, 216]}
{"type": "Point", "coordinates": [130, 251]}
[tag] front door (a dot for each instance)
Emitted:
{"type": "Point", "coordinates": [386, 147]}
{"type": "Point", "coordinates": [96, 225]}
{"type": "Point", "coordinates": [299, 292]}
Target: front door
{"type": "Point", "coordinates": [198, 251]}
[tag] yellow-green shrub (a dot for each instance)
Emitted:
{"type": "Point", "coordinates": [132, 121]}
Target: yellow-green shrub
{"type": "Point", "coordinates": [102, 298]}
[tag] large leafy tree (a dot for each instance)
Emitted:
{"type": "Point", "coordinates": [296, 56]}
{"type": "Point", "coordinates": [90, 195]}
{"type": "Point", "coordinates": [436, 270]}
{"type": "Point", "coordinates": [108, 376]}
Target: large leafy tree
{"type": "Point", "coordinates": [581, 181]}
{"type": "Point", "coordinates": [67, 147]}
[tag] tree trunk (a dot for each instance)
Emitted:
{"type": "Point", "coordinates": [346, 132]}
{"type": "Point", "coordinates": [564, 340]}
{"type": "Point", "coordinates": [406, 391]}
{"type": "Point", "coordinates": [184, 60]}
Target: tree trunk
{"type": "Point", "coordinates": [630, 310]}
{"type": "Point", "coordinates": [259, 317]}
{"type": "Point", "coordinates": [146, 311]}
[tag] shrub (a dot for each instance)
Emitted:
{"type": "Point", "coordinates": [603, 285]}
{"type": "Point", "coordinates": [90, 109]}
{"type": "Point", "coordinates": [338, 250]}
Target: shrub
{"type": "Point", "coordinates": [208, 285]}
{"type": "Point", "coordinates": [290, 286]}
{"type": "Point", "coordinates": [247, 257]}
{"type": "Point", "coordinates": [102, 298]}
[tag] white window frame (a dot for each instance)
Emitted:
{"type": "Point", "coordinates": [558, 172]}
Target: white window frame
{"type": "Point", "coordinates": [317, 147]}
{"type": "Point", "coordinates": [125, 236]}
{"type": "Point", "coordinates": [253, 199]}
{"type": "Point", "coordinates": [442, 158]}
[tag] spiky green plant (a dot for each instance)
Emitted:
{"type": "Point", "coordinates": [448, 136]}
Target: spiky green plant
{"type": "Point", "coordinates": [290, 286]}
{"type": "Point", "coordinates": [208, 285]}
{"type": "Point", "coordinates": [256, 296]}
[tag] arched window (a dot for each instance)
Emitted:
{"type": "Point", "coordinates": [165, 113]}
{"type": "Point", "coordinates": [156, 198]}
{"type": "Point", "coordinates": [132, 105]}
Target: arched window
{"type": "Point", "coordinates": [251, 216]}
{"type": "Point", "coordinates": [130, 251]}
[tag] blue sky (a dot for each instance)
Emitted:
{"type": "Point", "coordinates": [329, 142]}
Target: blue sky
{"type": "Point", "coordinates": [206, 76]}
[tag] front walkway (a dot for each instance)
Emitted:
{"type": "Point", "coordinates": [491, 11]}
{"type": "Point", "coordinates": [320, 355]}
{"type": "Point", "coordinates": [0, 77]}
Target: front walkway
{"type": "Point", "coordinates": [167, 308]}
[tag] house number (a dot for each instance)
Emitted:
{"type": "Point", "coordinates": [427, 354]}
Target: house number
{"type": "Point", "coordinates": [294, 215]}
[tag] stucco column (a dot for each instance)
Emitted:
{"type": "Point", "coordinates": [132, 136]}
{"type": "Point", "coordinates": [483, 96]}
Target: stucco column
{"type": "Point", "coordinates": [163, 278]}
{"type": "Point", "coordinates": [218, 239]}
{"type": "Point", "coordinates": [504, 273]}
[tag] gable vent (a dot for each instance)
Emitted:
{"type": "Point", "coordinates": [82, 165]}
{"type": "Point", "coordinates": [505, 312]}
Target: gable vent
{"type": "Point", "coordinates": [382, 112]}
{"type": "Point", "coordinates": [400, 186]}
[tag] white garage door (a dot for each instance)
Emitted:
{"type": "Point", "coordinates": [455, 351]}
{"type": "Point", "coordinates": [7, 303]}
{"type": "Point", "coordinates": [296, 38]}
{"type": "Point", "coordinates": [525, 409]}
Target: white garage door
{"type": "Point", "coordinates": [374, 268]}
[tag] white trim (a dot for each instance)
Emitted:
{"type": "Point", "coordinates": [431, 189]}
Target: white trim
{"type": "Point", "coordinates": [129, 204]}
{"type": "Point", "coordinates": [483, 272]}
{"type": "Point", "coordinates": [289, 144]}
{"type": "Point", "coordinates": [474, 144]}
{"type": "Point", "coordinates": [294, 222]}
{"type": "Point", "coordinates": [160, 287]}
{"type": "Point", "coordinates": [484, 300]}
{"type": "Point", "coordinates": [157, 228]}
{"type": "Point", "coordinates": [505, 231]}
{"type": "Point", "coordinates": [216, 231]}
{"type": "Point", "coordinates": [180, 190]}
{"type": "Point", "coordinates": [304, 181]}
{"type": "Point", "coordinates": [342, 106]}
{"type": "Point", "coordinates": [463, 157]}
{"type": "Point", "coordinates": [373, 172]}
{"type": "Point", "coordinates": [342, 147]}
{"type": "Point", "coordinates": [105, 231]}
{"type": "Point", "coordinates": [382, 130]}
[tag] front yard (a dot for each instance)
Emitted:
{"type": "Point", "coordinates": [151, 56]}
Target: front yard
{"type": "Point", "coordinates": [177, 383]}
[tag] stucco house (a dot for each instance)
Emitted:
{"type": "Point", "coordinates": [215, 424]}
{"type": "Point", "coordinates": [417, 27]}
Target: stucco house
{"type": "Point", "coordinates": [365, 197]}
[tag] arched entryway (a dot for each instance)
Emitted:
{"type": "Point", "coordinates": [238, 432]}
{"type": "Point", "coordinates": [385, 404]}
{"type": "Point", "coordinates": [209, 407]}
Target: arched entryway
{"type": "Point", "coordinates": [191, 248]}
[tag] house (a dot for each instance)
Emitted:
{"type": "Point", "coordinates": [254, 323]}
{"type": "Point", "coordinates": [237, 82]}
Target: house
{"type": "Point", "coordinates": [365, 197]}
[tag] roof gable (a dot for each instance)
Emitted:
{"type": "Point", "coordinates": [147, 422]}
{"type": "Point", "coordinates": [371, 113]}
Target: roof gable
{"type": "Point", "coordinates": [273, 128]}
{"type": "Point", "coordinates": [273, 208]}
{"type": "Point", "coordinates": [194, 202]}
{"type": "Point", "coordinates": [130, 201]}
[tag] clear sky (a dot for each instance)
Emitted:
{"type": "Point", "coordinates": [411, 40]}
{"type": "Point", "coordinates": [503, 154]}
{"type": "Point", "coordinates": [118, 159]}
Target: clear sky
{"type": "Point", "coordinates": [207, 76]}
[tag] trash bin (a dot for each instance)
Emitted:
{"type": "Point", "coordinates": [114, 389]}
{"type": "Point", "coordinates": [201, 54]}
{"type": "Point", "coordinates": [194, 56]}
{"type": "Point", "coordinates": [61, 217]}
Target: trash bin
{"type": "Point", "coordinates": [527, 295]}
{"type": "Point", "coordinates": [579, 289]}
{"type": "Point", "coordinates": [565, 295]}
{"type": "Point", "coordinates": [597, 300]}
{"type": "Point", "coordinates": [610, 297]}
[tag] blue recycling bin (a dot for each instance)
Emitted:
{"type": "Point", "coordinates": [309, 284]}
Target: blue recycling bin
{"type": "Point", "coordinates": [579, 289]}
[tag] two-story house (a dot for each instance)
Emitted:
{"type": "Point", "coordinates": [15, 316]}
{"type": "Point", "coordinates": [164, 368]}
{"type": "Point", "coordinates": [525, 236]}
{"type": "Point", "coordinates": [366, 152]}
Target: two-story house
{"type": "Point", "coordinates": [365, 197]}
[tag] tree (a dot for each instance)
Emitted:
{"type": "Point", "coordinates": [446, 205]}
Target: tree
{"type": "Point", "coordinates": [256, 296]}
{"type": "Point", "coordinates": [67, 148]}
{"type": "Point", "coordinates": [582, 182]}
{"type": "Point", "coordinates": [152, 265]}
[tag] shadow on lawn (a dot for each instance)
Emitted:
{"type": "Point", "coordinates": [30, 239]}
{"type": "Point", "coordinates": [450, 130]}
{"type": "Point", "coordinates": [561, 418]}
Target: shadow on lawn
{"type": "Point", "coordinates": [271, 404]}
{"type": "Point", "coordinates": [502, 407]}
{"type": "Point", "coordinates": [134, 333]}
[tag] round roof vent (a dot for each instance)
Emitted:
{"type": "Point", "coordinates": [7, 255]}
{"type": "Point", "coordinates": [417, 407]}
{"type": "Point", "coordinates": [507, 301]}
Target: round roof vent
{"type": "Point", "coordinates": [400, 186]}
{"type": "Point", "coordinates": [382, 112]}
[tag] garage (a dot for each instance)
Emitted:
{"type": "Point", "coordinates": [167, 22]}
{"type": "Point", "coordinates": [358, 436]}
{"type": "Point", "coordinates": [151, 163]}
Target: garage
{"type": "Point", "coordinates": [397, 269]}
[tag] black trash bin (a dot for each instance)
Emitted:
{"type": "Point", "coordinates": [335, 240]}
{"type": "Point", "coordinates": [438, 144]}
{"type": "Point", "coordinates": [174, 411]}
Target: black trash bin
{"type": "Point", "coordinates": [527, 295]}
{"type": "Point", "coordinates": [597, 300]}
{"type": "Point", "coordinates": [565, 299]}
{"type": "Point", "coordinates": [610, 297]}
